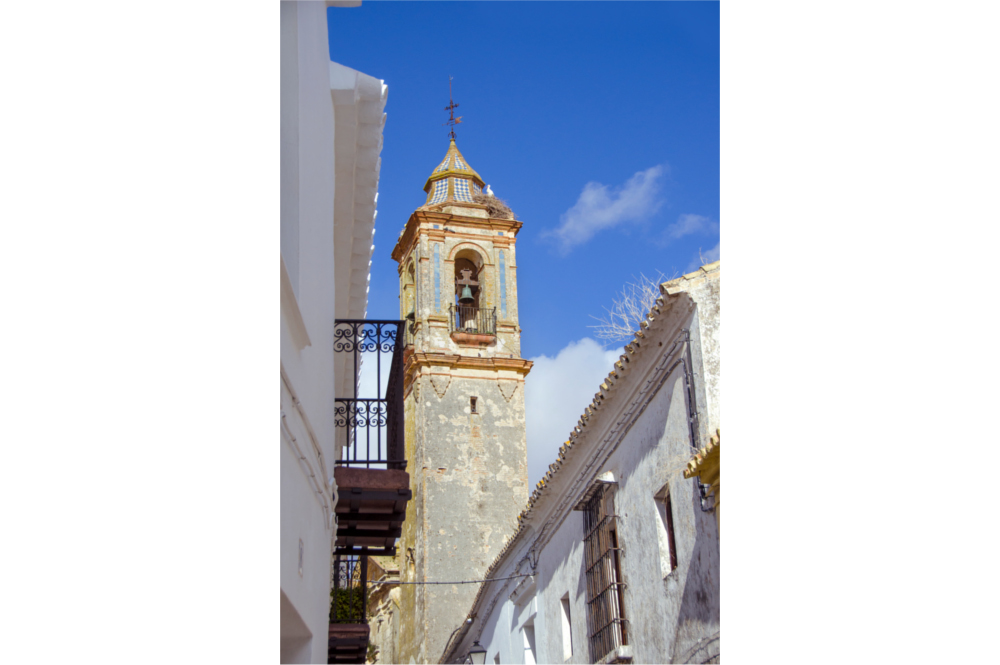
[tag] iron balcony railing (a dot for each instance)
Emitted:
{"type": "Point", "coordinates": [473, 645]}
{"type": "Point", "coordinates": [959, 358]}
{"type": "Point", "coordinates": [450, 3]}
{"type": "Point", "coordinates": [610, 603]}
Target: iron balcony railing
{"type": "Point", "coordinates": [373, 424]}
{"type": "Point", "coordinates": [476, 320]}
{"type": "Point", "coordinates": [349, 591]}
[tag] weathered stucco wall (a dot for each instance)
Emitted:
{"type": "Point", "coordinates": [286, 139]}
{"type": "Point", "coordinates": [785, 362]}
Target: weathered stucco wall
{"type": "Point", "coordinates": [468, 470]}
{"type": "Point", "coordinates": [383, 610]}
{"type": "Point", "coordinates": [668, 615]}
{"type": "Point", "coordinates": [704, 288]}
{"type": "Point", "coordinates": [471, 475]}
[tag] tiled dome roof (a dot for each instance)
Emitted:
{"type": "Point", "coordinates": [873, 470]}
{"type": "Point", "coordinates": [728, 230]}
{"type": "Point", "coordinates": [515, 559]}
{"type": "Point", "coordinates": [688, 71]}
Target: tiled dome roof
{"type": "Point", "coordinates": [453, 179]}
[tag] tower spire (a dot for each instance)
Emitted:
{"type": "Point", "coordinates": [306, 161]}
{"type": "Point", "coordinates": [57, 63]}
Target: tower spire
{"type": "Point", "coordinates": [452, 120]}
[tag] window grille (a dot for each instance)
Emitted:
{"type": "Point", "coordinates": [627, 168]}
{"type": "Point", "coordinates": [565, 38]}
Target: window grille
{"type": "Point", "coordinates": [606, 624]}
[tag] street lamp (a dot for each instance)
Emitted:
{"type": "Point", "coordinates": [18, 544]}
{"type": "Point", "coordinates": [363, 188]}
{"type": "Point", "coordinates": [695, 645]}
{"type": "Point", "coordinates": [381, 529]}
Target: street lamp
{"type": "Point", "coordinates": [477, 654]}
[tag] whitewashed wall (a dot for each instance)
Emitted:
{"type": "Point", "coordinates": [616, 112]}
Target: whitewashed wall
{"type": "Point", "coordinates": [331, 134]}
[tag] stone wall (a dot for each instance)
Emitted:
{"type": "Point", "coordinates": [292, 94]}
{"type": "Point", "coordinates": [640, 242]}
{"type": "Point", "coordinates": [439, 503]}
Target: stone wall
{"type": "Point", "coordinates": [468, 469]}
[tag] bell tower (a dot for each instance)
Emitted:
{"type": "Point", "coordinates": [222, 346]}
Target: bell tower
{"type": "Point", "coordinates": [464, 400]}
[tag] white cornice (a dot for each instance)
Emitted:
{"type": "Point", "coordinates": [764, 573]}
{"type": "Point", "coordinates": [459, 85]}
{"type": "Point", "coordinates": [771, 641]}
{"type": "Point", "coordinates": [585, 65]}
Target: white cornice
{"type": "Point", "coordinates": [359, 117]}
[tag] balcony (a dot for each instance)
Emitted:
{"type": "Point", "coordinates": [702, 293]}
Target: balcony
{"type": "Point", "coordinates": [372, 484]}
{"type": "Point", "coordinates": [348, 638]}
{"type": "Point", "coordinates": [473, 325]}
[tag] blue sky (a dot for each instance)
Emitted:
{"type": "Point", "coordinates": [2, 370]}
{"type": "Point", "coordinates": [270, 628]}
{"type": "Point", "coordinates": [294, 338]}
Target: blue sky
{"type": "Point", "coordinates": [597, 122]}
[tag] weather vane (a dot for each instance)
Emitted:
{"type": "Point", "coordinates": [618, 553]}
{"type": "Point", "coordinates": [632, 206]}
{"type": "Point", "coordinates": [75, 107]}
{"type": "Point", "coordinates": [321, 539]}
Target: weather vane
{"type": "Point", "coordinates": [452, 120]}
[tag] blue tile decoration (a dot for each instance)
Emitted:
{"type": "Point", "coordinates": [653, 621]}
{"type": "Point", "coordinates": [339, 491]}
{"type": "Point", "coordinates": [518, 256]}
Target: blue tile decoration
{"type": "Point", "coordinates": [440, 191]}
{"type": "Point", "coordinates": [437, 276]}
{"type": "Point", "coordinates": [462, 190]}
{"type": "Point", "coordinates": [476, 188]}
{"type": "Point", "coordinates": [459, 164]}
{"type": "Point", "coordinates": [503, 286]}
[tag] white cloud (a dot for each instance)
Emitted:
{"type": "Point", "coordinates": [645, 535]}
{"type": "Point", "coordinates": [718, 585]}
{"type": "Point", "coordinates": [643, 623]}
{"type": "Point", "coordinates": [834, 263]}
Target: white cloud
{"type": "Point", "coordinates": [688, 225]}
{"type": "Point", "coordinates": [601, 207]}
{"type": "Point", "coordinates": [556, 392]}
{"type": "Point", "coordinates": [703, 258]}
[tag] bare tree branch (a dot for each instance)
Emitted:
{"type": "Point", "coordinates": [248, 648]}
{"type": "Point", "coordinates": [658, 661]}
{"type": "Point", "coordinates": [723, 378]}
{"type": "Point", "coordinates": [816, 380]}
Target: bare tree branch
{"type": "Point", "coordinates": [628, 309]}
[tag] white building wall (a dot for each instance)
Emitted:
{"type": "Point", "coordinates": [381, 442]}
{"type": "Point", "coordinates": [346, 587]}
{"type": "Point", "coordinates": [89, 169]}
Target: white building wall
{"type": "Point", "coordinates": [307, 452]}
{"type": "Point", "coordinates": [315, 171]}
{"type": "Point", "coordinates": [673, 614]}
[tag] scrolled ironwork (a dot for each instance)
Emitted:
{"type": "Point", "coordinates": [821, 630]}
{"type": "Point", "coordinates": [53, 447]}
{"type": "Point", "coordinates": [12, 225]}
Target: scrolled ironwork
{"type": "Point", "coordinates": [373, 423]}
{"type": "Point", "coordinates": [363, 336]}
{"type": "Point", "coordinates": [360, 412]}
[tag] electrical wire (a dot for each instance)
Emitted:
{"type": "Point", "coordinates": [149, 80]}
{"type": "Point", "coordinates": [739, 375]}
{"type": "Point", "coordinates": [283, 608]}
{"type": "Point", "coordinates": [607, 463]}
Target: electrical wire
{"type": "Point", "coordinates": [492, 579]}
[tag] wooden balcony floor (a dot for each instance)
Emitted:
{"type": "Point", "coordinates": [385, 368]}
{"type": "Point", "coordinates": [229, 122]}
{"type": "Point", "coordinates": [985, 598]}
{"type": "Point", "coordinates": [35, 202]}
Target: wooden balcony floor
{"type": "Point", "coordinates": [347, 643]}
{"type": "Point", "coordinates": [371, 507]}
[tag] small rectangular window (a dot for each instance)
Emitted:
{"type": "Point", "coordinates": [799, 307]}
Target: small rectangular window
{"type": "Point", "coordinates": [665, 532]}
{"type": "Point", "coordinates": [472, 404]}
{"type": "Point", "coordinates": [567, 628]}
{"type": "Point", "coordinates": [528, 633]}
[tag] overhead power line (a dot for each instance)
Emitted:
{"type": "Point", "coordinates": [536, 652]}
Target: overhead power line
{"type": "Point", "coordinates": [492, 579]}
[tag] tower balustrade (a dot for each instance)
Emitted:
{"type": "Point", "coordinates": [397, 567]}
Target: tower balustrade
{"type": "Point", "coordinates": [473, 320]}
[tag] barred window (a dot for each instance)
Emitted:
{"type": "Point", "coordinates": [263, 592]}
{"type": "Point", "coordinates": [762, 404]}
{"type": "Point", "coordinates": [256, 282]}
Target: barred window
{"type": "Point", "coordinates": [606, 624]}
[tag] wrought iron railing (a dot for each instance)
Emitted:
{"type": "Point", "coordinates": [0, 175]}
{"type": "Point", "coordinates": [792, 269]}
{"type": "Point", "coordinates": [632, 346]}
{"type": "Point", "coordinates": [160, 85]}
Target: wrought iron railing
{"type": "Point", "coordinates": [349, 592]}
{"type": "Point", "coordinates": [476, 320]}
{"type": "Point", "coordinates": [373, 424]}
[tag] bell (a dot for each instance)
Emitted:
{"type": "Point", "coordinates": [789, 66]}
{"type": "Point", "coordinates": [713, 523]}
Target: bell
{"type": "Point", "coordinates": [466, 297]}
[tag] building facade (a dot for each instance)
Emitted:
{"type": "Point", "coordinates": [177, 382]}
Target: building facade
{"type": "Point", "coordinates": [331, 136]}
{"type": "Point", "coordinates": [464, 400]}
{"type": "Point", "coordinates": [616, 557]}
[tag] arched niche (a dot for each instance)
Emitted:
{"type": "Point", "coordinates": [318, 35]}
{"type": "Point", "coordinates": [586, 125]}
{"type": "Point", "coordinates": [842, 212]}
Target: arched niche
{"type": "Point", "coordinates": [408, 290]}
{"type": "Point", "coordinates": [469, 265]}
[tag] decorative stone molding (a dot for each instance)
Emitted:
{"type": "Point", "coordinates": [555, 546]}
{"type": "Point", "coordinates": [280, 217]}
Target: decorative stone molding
{"type": "Point", "coordinates": [507, 388]}
{"type": "Point", "coordinates": [440, 382]}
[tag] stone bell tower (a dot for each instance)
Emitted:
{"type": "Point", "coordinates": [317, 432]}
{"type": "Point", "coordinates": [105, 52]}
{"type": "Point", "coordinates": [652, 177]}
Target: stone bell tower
{"type": "Point", "coordinates": [464, 400]}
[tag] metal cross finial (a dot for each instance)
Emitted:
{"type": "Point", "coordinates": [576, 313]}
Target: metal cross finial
{"type": "Point", "coordinates": [452, 120]}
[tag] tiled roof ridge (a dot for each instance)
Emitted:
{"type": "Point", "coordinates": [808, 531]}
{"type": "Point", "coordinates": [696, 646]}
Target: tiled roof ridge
{"type": "Point", "coordinates": [678, 284]}
{"type": "Point", "coordinates": [692, 468]}
{"type": "Point", "coordinates": [667, 289]}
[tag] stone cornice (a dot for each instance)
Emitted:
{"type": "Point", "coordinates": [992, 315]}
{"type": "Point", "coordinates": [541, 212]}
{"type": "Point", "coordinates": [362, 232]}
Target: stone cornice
{"type": "Point", "coordinates": [493, 224]}
{"type": "Point", "coordinates": [421, 360]}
